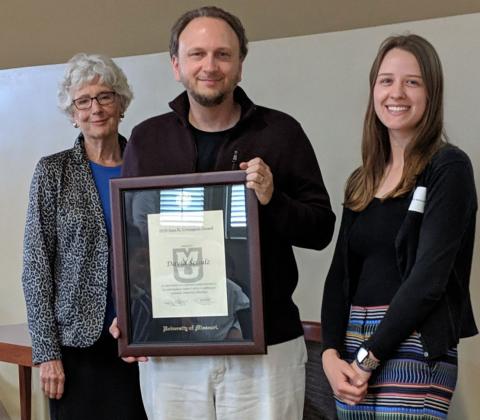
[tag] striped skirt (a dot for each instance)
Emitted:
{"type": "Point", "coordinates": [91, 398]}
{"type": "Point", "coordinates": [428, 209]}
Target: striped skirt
{"type": "Point", "coordinates": [408, 385]}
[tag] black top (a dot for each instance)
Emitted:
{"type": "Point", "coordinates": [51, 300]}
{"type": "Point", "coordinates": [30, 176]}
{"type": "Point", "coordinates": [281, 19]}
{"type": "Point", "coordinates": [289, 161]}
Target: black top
{"type": "Point", "coordinates": [434, 251]}
{"type": "Point", "coordinates": [375, 275]}
{"type": "Point", "coordinates": [208, 145]}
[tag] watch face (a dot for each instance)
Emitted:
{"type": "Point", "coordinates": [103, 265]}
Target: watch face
{"type": "Point", "coordinates": [362, 354]}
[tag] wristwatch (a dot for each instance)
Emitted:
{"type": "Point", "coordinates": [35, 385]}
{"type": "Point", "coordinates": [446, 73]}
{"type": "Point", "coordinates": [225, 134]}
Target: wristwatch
{"type": "Point", "coordinates": [364, 361]}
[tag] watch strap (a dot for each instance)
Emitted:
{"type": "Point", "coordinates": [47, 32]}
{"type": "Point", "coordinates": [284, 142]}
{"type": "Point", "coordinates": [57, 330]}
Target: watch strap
{"type": "Point", "coordinates": [367, 364]}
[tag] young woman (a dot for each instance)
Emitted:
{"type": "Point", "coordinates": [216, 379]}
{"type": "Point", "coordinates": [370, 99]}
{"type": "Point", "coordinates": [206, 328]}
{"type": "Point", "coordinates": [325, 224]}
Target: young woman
{"type": "Point", "coordinates": [396, 299]}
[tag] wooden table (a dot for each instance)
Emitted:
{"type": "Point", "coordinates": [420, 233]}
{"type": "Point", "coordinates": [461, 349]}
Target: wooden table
{"type": "Point", "coordinates": [16, 347]}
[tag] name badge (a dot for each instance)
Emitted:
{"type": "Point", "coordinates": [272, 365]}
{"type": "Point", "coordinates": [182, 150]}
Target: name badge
{"type": "Point", "coordinates": [418, 201]}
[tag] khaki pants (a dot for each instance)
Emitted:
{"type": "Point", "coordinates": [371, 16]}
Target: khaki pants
{"type": "Point", "coordinates": [253, 387]}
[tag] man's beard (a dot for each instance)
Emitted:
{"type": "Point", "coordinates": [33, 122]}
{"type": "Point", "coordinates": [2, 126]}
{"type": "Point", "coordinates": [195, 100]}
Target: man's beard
{"type": "Point", "coordinates": [208, 101]}
{"type": "Point", "coordinates": [213, 98]}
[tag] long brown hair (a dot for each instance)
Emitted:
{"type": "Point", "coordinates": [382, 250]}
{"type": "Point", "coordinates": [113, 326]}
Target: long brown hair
{"type": "Point", "coordinates": [429, 136]}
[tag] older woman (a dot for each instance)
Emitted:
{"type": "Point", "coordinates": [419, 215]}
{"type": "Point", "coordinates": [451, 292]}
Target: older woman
{"type": "Point", "coordinates": [66, 275]}
{"type": "Point", "coordinates": [396, 300]}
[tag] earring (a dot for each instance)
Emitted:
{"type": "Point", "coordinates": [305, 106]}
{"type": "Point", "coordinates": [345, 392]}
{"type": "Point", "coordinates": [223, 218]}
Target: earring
{"type": "Point", "coordinates": [122, 116]}
{"type": "Point", "coordinates": [75, 124]}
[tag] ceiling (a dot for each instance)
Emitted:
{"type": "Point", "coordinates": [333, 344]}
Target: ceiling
{"type": "Point", "coordinates": [36, 32]}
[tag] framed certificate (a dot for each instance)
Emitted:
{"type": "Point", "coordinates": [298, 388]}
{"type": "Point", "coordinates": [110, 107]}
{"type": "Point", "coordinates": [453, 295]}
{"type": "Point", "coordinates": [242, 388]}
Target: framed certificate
{"type": "Point", "coordinates": [186, 262]}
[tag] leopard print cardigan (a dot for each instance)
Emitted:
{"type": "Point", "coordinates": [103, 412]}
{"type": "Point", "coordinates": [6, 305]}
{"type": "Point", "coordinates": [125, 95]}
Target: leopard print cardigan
{"type": "Point", "coordinates": [66, 253]}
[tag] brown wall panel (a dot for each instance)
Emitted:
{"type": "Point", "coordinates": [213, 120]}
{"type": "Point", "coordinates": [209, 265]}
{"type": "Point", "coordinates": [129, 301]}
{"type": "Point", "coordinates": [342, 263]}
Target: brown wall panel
{"type": "Point", "coordinates": [36, 32]}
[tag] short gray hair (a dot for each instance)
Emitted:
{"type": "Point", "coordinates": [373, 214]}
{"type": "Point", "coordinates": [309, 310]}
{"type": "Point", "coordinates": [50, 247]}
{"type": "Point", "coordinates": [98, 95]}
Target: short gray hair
{"type": "Point", "coordinates": [82, 68]}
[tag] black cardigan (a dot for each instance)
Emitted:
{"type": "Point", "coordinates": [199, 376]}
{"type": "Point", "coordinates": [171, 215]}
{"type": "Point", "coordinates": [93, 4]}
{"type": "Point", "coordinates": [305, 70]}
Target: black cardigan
{"type": "Point", "coordinates": [434, 257]}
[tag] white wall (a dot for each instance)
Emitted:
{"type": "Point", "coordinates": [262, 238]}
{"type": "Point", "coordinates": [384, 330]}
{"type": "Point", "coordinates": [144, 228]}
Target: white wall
{"type": "Point", "coordinates": [322, 80]}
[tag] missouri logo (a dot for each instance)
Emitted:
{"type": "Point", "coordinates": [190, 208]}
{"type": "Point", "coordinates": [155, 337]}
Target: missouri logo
{"type": "Point", "coordinates": [188, 264]}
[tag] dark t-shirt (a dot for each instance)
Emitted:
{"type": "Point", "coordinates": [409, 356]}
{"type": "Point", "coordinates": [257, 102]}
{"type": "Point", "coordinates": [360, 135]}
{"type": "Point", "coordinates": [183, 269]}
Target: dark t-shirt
{"type": "Point", "coordinates": [208, 145]}
{"type": "Point", "coordinates": [372, 249]}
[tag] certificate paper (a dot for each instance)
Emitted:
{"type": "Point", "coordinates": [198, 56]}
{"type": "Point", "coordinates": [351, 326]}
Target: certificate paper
{"type": "Point", "coordinates": [187, 264]}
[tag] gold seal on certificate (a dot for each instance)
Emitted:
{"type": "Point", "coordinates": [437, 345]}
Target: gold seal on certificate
{"type": "Point", "coordinates": [187, 264]}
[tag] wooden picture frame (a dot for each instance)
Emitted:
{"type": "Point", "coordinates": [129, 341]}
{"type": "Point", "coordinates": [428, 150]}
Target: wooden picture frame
{"type": "Point", "coordinates": [186, 264]}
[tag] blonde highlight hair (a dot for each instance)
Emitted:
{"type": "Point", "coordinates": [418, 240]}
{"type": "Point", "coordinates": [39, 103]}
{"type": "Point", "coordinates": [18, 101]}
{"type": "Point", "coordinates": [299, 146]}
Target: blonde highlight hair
{"type": "Point", "coordinates": [429, 136]}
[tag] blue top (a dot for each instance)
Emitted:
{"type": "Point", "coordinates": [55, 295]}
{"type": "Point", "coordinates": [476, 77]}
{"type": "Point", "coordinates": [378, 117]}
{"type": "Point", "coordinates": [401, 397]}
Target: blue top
{"type": "Point", "coordinates": [102, 176]}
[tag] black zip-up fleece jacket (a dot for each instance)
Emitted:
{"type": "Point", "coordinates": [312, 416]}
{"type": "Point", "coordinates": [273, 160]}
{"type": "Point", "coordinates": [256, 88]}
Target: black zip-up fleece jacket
{"type": "Point", "coordinates": [298, 214]}
{"type": "Point", "coordinates": [434, 256]}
